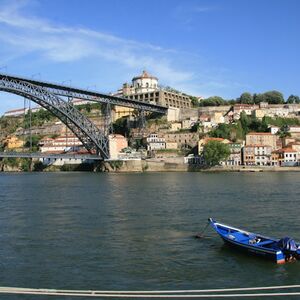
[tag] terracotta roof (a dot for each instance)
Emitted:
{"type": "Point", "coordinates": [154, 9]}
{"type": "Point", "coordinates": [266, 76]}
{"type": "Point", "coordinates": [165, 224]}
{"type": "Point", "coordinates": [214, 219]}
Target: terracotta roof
{"type": "Point", "coordinates": [287, 150]}
{"type": "Point", "coordinates": [145, 74]}
{"type": "Point", "coordinates": [258, 145]}
{"type": "Point", "coordinates": [214, 139]}
{"type": "Point", "coordinates": [15, 110]}
{"type": "Point", "coordinates": [244, 105]}
{"type": "Point", "coordinates": [260, 133]}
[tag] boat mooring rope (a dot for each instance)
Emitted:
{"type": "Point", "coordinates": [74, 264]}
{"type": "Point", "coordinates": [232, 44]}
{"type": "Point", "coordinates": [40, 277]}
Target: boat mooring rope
{"type": "Point", "coordinates": [205, 293]}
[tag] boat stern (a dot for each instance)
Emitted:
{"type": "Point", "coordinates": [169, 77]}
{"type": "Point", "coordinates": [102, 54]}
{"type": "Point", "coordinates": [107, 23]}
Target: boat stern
{"type": "Point", "coordinates": [280, 258]}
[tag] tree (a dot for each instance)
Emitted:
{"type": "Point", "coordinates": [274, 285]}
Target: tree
{"type": "Point", "coordinates": [274, 97]}
{"type": "Point", "coordinates": [215, 152]}
{"type": "Point", "coordinates": [222, 131]}
{"type": "Point", "coordinates": [293, 99]}
{"type": "Point", "coordinates": [194, 100]}
{"type": "Point", "coordinates": [213, 101]}
{"type": "Point", "coordinates": [284, 131]}
{"type": "Point", "coordinates": [246, 98]}
{"type": "Point", "coordinates": [245, 122]}
{"type": "Point", "coordinates": [257, 98]}
{"type": "Point", "coordinates": [121, 126]}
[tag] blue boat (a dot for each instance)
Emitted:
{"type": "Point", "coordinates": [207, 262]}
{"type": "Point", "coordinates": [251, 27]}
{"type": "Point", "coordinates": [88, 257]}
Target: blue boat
{"type": "Point", "coordinates": [277, 250]}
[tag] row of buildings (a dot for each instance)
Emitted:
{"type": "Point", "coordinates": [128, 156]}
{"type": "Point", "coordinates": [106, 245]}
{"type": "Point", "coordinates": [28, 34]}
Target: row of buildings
{"type": "Point", "coordinates": [259, 149]}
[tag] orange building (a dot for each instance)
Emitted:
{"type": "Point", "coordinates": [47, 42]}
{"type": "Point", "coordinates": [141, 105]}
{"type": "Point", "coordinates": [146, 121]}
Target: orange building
{"type": "Point", "coordinates": [12, 142]}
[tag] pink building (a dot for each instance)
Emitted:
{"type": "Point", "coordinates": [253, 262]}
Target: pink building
{"type": "Point", "coordinates": [117, 142]}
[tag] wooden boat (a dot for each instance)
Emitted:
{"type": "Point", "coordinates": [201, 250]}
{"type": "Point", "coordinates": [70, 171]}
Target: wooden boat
{"type": "Point", "coordinates": [277, 250]}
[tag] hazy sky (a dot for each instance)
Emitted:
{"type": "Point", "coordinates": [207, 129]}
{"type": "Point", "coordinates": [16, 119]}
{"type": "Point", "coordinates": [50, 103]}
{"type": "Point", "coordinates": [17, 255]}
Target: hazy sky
{"type": "Point", "coordinates": [221, 47]}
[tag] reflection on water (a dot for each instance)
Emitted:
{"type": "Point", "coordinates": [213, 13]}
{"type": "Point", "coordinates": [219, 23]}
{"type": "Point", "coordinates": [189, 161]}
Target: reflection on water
{"type": "Point", "coordinates": [135, 231]}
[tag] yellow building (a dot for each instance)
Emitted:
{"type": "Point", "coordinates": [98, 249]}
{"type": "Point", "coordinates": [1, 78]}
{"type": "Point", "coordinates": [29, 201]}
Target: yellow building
{"type": "Point", "coordinates": [176, 126]}
{"type": "Point", "coordinates": [12, 142]}
{"type": "Point", "coordinates": [120, 112]}
{"type": "Point", "coordinates": [258, 113]}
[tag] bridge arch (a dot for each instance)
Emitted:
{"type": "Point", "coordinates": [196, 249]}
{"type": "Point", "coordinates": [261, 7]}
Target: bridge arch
{"type": "Point", "coordinates": [87, 132]}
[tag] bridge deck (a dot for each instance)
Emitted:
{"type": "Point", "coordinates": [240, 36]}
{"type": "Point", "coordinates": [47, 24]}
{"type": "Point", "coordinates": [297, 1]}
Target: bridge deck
{"type": "Point", "coordinates": [69, 91]}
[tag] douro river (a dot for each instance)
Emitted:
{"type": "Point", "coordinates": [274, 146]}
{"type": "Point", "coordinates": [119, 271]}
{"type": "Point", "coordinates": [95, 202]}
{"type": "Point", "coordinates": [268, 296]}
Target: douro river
{"type": "Point", "coordinates": [135, 231]}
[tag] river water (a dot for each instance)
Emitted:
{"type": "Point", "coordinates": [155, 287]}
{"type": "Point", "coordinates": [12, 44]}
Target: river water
{"type": "Point", "coordinates": [135, 231]}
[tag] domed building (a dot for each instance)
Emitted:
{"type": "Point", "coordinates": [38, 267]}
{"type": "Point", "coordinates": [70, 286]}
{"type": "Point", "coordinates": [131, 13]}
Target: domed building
{"type": "Point", "coordinates": [145, 88]}
{"type": "Point", "coordinates": [144, 83]}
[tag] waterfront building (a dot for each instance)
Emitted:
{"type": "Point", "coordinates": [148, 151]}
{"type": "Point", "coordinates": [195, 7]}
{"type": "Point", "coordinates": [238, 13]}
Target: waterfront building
{"type": "Point", "coordinates": [288, 157]}
{"type": "Point", "coordinates": [235, 157]}
{"type": "Point", "coordinates": [248, 155]}
{"type": "Point", "coordinates": [262, 155]}
{"type": "Point", "coordinates": [117, 143]}
{"type": "Point", "coordinates": [262, 138]}
{"type": "Point", "coordinates": [259, 155]}
{"type": "Point", "coordinates": [275, 159]}
{"type": "Point", "coordinates": [61, 144]}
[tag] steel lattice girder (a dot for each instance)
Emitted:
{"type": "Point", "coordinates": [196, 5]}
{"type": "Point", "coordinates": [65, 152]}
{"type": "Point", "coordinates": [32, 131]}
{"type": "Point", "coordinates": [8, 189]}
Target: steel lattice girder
{"type": "Point", "coordinates": [88, 133]}
{"type": "Point", "coordinates": [67, 91]}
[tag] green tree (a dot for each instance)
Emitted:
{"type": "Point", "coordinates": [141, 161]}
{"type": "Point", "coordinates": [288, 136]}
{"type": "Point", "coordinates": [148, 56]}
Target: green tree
{"type": "Point", "coordinates": [195, 101]}
{"type": "Point", "coordinates": [257, 98]}
{"type": "Point", "coordinates": [35, 139]}
{"type": "Point", "coordinates": [213, 101]}
{"type": "Point", "coordinates": [245, 122]}
{"type": "Point", "coordinates": [284, 131]}
{"type": "Point", "coordinates": [222, 131]}
{"type": "Point", "coordinates": [195, 127]}
{"type": "Point", "coordinates": [121, 126]}
{"type": "Point", "coordinates": [293, 99]}
{"type": "Point", "coordinates": [246, 98]}
{"type": "Point", "coordinates": [274, 97]}
{"type": "Point", "coordinates": [215, 152]}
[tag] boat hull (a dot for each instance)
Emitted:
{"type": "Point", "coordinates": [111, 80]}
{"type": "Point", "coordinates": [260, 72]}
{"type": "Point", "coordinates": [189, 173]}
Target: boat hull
{"type": "Point", "coordinates": [250, 243]}
{"type": "Point", "coordinates": [272, 256]}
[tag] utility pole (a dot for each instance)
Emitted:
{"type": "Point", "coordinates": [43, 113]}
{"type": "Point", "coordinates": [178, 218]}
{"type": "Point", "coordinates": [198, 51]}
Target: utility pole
{"type": "Point", "coordinates": [30, 120]}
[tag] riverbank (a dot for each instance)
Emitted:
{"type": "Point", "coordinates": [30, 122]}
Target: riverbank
{"type": "Point", "coordinates": [167, 166]}
{"type": "Point", "coordinates": [138, 166]}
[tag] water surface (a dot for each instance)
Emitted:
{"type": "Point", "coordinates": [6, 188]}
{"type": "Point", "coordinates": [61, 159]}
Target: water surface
{"type": "Point", "coordinates": [135, 231]}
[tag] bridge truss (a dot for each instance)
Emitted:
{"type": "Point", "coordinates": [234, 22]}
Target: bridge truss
{"type": "Point", "coordinates": [50, 96]}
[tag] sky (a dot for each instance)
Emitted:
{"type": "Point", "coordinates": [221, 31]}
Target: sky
{"type": "Point", "coordinates": [201, 47]}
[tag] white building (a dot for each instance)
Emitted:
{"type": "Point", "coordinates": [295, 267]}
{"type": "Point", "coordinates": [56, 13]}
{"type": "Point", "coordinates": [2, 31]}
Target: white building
{"type": "Point", "coordinates": [262, 154]}
{"type": "Point", "coordinates": [288, 157]}
{"type": "Point", "coordinates": [61, 144]}
{"type": "Point", "coordinates": [144, 83]}
{"type": "Point", "coordinates": [155, 143]}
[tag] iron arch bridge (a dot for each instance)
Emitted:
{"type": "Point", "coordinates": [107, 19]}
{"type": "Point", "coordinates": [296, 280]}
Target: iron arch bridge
{"type": "Point", "coordinates": [48, 96]}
